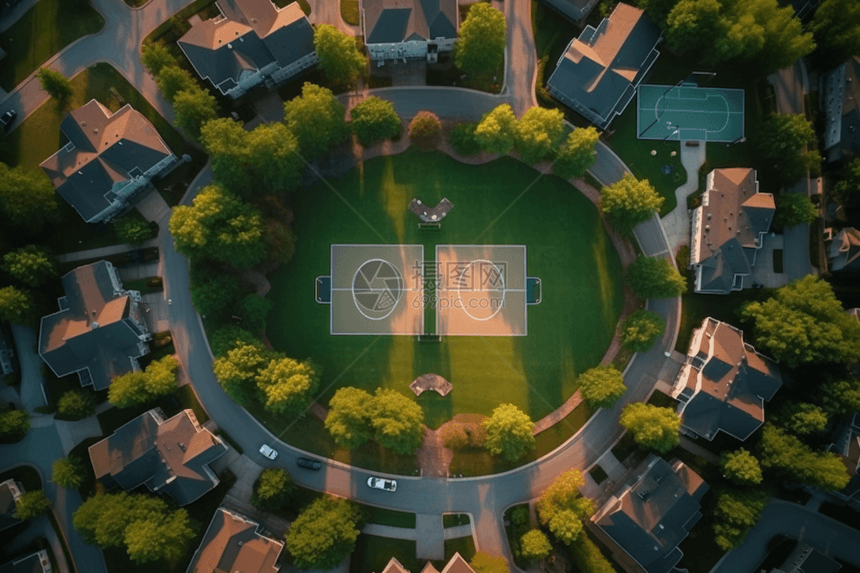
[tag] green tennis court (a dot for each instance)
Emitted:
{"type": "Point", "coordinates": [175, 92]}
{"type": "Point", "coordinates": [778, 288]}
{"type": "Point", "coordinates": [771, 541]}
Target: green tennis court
{"type": "Point", "coordinates": [684, 113]}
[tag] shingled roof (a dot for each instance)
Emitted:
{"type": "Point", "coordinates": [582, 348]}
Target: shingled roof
{"type": "Point", "coordinates": [233, 542]}
{"type": "Point", "coordinates": [394, 21]}
{"type": "Point", "coordinates": [106, 149]}
{"type": "Point", "coordinates": [455, 565]}
{"type": "Point", "coordinates": [170, 456]}
{"type": "Point", "coordinates": [724, 384]}
{"type": "Point", "coordinates": [96, 331]}
{"type": "Point", "coordinates": [844, 251]}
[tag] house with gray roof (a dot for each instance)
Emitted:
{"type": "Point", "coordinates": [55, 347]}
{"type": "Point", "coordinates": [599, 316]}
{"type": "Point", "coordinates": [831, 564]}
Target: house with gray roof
{"type": "Point", "coordinates": [728, 229]}
{"type": "Point", "coordinates": [109, 159]}
{"type": "Point", "coordinates": [37, 562]}
{"type": "Point", "coordinates": [10, 491]}
{"type": "Point", "coordinates": [251, 42]}
{"type": "Point", "coordinates": [843, 250]}
{"type": "Point", "coordinates": [404, 29]}
{"type": "Point", "coordinates": [99, 331]}
{"type": "Point", "coordinates": [233, 542]}
{"type": "Point", "coordinates": [847, 447]}
{"type": "Point", "coordinates": [573, 10]}
{"type": "Point", "coordinates": [806, 559]}
{"type": "Point", "coordinates": [840, 96]}
{"type": "Point", "coordinates": [724, 383]}
{"type": "Point", "coordinates": [599, 72]}
{"type": "Point", "coordinates": [169, 456]}
{"type": "Point", "coordinates": [648, 516]}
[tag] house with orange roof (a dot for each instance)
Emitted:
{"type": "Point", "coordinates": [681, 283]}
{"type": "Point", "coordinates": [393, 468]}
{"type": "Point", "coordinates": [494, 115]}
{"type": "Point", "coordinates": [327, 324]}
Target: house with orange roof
{"type": "Point", "coordinates": [233, 542]}
{"type": "Point", "coordinates": [455, 565]}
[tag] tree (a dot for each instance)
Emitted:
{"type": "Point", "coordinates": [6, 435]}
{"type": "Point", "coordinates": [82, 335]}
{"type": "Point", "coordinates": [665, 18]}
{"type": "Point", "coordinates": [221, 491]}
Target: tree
{"type": "Point", "coordinates": [76, 404]}
{"type": "Point", "coordinates": [192, 108]}
{"type": "Point", "coordinates": [160, 537]}
{"type": "Point", "coordinates": [324, 533]}
{"type": "Point", "coordinates": [485, 563]}
{"type": "Point", "coordinates": [280, 241]}
{"type": "Point", "coordinates": [561, 508]}
{"type": "Point", "coordinates": [693, 24]}
{"type": "Point", "coordinates": [836, 27]}
{"type": "Point", "coordinates": [587, 556]}
{"type": "Point", "coordinates": [578, 154]}
{"type": "Point", "coordinates": [785, 452]}
{"type": "Point", "coordinates": [457, 436]}
{"type": "Point", "coordinates": [782, 140]}
{"type": "Point", "coordinates": [629, 202]}
{"type": "Point", "coordinates": [736, 513]}
{"type": "Point", "coordinates": [658, 10]}
{"type": "Point", "coordinates": [847, 190]}
{"type": "Point", "coordinates": [841, 396]}
{"type": "Point", "coordinates": [348, 419]}
{"type": "Point", "coordinates": [237, 371]}
{"type": "Point", "coordinates": [213, 293]}
{"type": "Point", "coordinates": [273, 489]}
{"type": "Point", "coordinates": [397, 421]}
{"type": "Point", "coordinates": [27, 198]}
{"type": "Point", "coordinates": [652, 427]}
{"type": "Point", "coordinates": [254, 311]}
{"type": "Point", "coordinates": [55, 83]}
{"type": "Point", "coordinates": [534, 546]}
{"type": "Point", "coordinates": [133, 388]}
{"type": "Point", "coordinates": [16, 305]}
{"type": "Point", "coordinates": [155, 56]}
{"type": "Point", "coordinates": [803, 418]}
{"type": "Point", "coordinates": [287, 385]}
{"type": "Point", "coordinates": [172, 80]}
{"type": "Point", "coordinates": [373, 120]}
{"type": "Point", "coordinates": [641, 329]}
{"type": "Point", "coordinates": [655, 278]}
{"type": "Point", "coordinates": [14, 425]}
{"type": "Point", "coordinates": [784, 40]}
{"type": "Point", "coordinates": [224, 338]}
{"type": "Point", "coordinates": [804, 322]}
{"type": "Point", "coordinates": [31, 265]}
{"type": "Point", "coordinates": [741, 467]}
{"type": "Point", "coordinates": [32, 504]}
{"type": "Point", "coordinates": [317, 120]}
{"type": "Point", "coordinates": [509, 432]}
{"type": "Point", "coordinates": [464, 139]}
{"type": "Point", "coordinates": [793, 209]}
{"type": "Point", "coordinates": [424, 129]}
{"type": "Point", "coordinates": [133, 230]}
{"type": "Point", "coordinates": [601, 386]}
{"type": "Point", "coordinates": [68, 472]}
{"type": "Point", "coordinates": [219, 226]}
{"type": "Point", "coordinates": [497, 131]}
{"type": "Point", "coordinates": [338, 54]}
{"type": "Point", "coordinates": [539, 133]}
{"type": "Point", "coordinates": [480, 48]}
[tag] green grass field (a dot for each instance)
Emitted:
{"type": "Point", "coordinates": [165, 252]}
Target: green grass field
{"type": "Point", "coordinates": [567, 248]}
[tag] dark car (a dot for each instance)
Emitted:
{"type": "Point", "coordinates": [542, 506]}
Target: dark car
{"type": "Point", "coordinates": [308, 464]}
{"type": "Point", "coordinates": [8, 118]}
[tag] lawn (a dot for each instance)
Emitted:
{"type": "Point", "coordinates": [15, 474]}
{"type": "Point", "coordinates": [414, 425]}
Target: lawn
{"type": "Point", "coordinates": [465, 546]}
{"type": "Point", "coordinates": [372, 553]}
{"type": "Point", "coordinates": [696, 307]}
{"type": "Point", "coordinates": [349, 11]}
{"type": "Point", "coordinates": [42, 31]}
{"type": "Point", "coordinates": [454, 520]}
{"type": "Point", "coordinates": [568, 332]}
{"type": "Point", "coordinates": [382, 516]}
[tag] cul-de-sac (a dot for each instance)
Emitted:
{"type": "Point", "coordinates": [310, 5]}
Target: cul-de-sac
{"type": "Point", "coordinates": [430, 286]}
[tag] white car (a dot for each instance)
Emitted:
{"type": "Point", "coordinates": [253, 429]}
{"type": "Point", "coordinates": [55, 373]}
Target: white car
{"type": "Point", "coordinates": [379, 483]}
{"type": "Point", "coordinates": [267, 451]}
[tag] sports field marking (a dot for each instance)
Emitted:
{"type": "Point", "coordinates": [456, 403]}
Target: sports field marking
{"type": "Point", "coordinates": [685, 113]}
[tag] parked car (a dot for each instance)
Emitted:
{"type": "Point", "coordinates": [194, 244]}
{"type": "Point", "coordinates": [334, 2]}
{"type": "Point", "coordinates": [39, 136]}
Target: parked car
{"type": "Point", "coordinates": [267, 451]}
{"type": "Point", "coordinates": [308, 464]}
{"type": "Point", "coordinates": [8, 118]}
{"type": "Point", "coordinates": [380, 483]}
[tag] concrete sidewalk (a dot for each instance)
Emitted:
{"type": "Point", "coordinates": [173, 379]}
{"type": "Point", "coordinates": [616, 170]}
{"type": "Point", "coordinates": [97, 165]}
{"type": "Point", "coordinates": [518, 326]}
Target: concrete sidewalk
{"type": "Point", "coordinates": [677, 222]}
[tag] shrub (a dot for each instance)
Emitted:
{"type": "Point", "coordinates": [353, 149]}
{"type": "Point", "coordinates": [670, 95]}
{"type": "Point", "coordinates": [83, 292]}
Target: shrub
{"type": "Point", "coordinates": [463, 139]}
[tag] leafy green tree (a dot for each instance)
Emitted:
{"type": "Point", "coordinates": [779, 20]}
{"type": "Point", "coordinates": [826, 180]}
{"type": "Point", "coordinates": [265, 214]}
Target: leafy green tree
{"type": "Point", "coordinates": [693, 24]}
{"type": "Point", "coordinates": [76, 404]}
{"type": "Point", "coordinates": [397, 421]}
{"type": "Point", "coordinates": [424, 129]}
{"type": "Point", "coordinates": [30, 265]}
{"type": "Point", "coordinates": [735, 514]}
{"type": "Point", "coordinates": [172, 80]}
{"type": "Point", "coordinates": [68, 472]}
{"type": "Point", "coordinates": [237, 371]}
{"type": "Point", "coordinates": [804, 322]}
{"type": "Point", "coordinates": [273, 489]}
{"type": "Point", "coordinates": [280, 241]}
{"type": "Point", "coordinates": [578, 154]}
{"type": "Point", "coordinates": [480, 48]}
{"type": "Point", "coordinates": [162, 537]}
{"type": "Point", "coordinates": [464, 139]}
{"type": "Point", "coordinates": [348, 419]}
{"type": "Point", "coordinates": [587, 556]}
{"type": "Point", "coordinates": [324, 533]}
{"type": "Point", "coordinates": [629, 202]}
{"type": "Point", "coordinates": [225, 338]}
{"type": "Point", "coordinates": [641, 329]}
{"type": "Point", "coordinates": [219, 226]}
{"type": "Point", "coordinates": [133, 230]}
{"type": "Point", "coordinates": [655, 278]}
{"type": "Point", "coordinates": [782, 140]}
{"type": "Point", "coordinates": [32, 504]}
{"type": "Point", "coordinates": [133, 388]}
{"type": "Point", "coordinates": [155, 56]}
{"type": "Point", "coordinates": [534, 546]}
{"type": "Point", "coordinates": [457, 436]}
{"type": "Point", "coordinates": [741, 467]}
{"type": "Point", "coordinates": [317, 119]}
{"type": "Point", "coordinates": [836, 27]}
{"type": "Point", "coordinates": [288, 385]}
{"type": "Point", "coordinates": [652, 427]}
{"type": "Point", "coordinates": [847, 190]}
{"type": "Point", "coordinates": [841, 396]}
{"type": "Point", "coordinates": [213, 293]}
{"type": "Point", "coordinates": [509, 432]}
{"type": "Point", "coordinates": [193, 108]}
{"type": "Point", "coordinates": [14, 425]}
{"type": "Point", "coordinates": [658, 10]}
{"type": "Point", "coordinates": [56, 84]}
{"type": "Point", "coordinates": [374, 120]}
{"type": "Point", "coordinates": [561, 507]}
{"type": "Point", "coordinates": [254, 311]}
{"type": "Point", "coordinates": [785, 452]}
{"type": "Point", "coordinates": [601, 386]}
{"type": "Point", "coordinates": [803, 418]}
{"type": "Point", "coordinates": [793, 209]}
{"type": "Point", "coordinates": [784, 39]}
{"type": "Point", "coordinates": [338, 54]}
{"type": "Point", "coordinates": [27, 198]}
{"type": "Point", "coordinates": [497, 131]}
{"type": "Point", "coordinates": [485, 563]}
{"type": "Point", "coordinates": [539, 133]}
{"type": "Point", "coordinates": [16, 305]}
